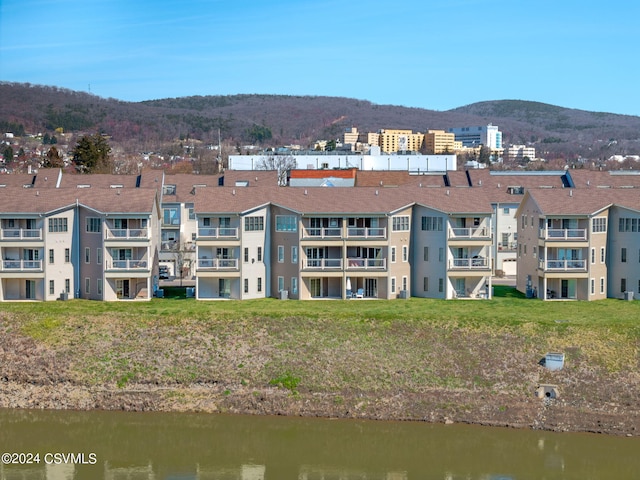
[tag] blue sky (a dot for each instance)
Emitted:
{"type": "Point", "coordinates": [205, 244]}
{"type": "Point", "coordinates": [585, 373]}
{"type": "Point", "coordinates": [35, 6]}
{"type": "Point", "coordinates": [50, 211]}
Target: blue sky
{"type": "Point", "coordinates": [428, 54]}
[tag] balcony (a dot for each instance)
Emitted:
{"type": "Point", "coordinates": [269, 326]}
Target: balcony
{"type": "Point", "coordinates": [21, 234]}
{"type": "Point", "coordinates": [366, 263]}
{"type": "Point", "coordinates": [322, 263]}
{"type": "Point", "coordinates": [563, 265]}
{"type": "Point", "coordinates": [127, 265]}
{"type": "Point", "coordinates": [479, 263]}
{"type": "Point", "coordinates": [127, 234]}
{"type": "Point", "coordinates": [208, 233]}
{"type": "Point", "coordinates": [366, 232]}
{"type": "Point", "coordinates": [217, 264]}
{"type": "Point", "coordinates": [21, 265]}
{"type": "Point", "coordinates": [317, 233]}
{"type": "Point", "coordinates": [473, 233]}
{"type": "Point", "coordinates": [564, 234]}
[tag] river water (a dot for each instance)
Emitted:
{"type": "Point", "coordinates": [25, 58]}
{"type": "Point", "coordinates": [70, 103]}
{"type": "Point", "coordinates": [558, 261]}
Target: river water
{"type": "Point", "coordinates": [180, 446]}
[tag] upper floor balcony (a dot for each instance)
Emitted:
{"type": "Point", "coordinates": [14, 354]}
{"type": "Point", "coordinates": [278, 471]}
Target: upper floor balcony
{"type": "Point", "coordinates": [366, 232]}
{"type": "Point", "coordinates": [20, 234]}
{"type": "Point", "coordinates": [471, 264]}
{"type": "Point", "coordinates": [563, 234]}
{"type": "Point", "coordinates": [470, 233]}
{"type": "Point", "coordinates": [217, 264]}
{"type": "Point", "coordinates": [322, 264]}
{"type": "Point", "coordinates": [315, 233]}
{"type": "Point", "coordinates": [366, 263]}
{"type": "Point", "coordinates": [126, 234]}
{"type": "Point", "coordinates": [218, 233]}
{"type": "Point", "coordinates": [562, 265]}
{"type": "Point", "coordinates": [21, 265]}
{"type": "Point", "coordinates": [127, 264]}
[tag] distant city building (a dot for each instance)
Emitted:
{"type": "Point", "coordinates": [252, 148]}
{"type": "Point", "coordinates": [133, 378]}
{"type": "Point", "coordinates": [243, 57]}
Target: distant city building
{"type": "Point", "coordinates": [487, 135]}
{"type": "Point", "coordinates": [439, 141]}
{"type": "Point", "coordinates": [392, 141]}
{"type": "Point", "coordinates": [520, 152]}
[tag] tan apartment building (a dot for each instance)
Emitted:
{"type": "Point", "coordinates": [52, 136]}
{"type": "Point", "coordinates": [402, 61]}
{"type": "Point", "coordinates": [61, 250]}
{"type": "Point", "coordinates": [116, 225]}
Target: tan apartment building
{"type": "Point", "coordinates": [391, 141]}
{"type": "Point", "coordinates": [439, 141]}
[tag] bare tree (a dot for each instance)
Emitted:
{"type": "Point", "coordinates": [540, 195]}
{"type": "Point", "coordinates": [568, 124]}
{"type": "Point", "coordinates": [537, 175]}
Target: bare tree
{"type": "Point", "coordinates": [282, 163]}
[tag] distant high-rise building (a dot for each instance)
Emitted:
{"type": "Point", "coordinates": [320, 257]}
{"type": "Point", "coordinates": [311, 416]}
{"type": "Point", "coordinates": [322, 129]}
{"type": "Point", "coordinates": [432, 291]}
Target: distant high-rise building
{"type": "Point", "coordinates": [471, 137]}
{"type": "Point", "coordinates": [392, 141]}
{"type": "Point", "coordinates": [438, 141]}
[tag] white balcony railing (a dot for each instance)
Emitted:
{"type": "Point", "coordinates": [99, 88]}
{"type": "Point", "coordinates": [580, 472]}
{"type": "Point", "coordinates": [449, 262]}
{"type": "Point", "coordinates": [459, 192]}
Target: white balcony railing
{"type": "Point", "coordinates": [472, 233]}
{"type": "Point", "coordinates": [332, 232]}
{"type": "Point", "coordinates": [367, 263]}
{"type": "Point", "coordinates": [127, 264]}
{"type": "Point", "coordinates": [21, 265]}
{"type": "Point", "coordinates": [323, 263]}
{"type": "Point", "coordinates": [563, 265]}
{"type": "Point", "coordinates": [21, 234]}
{"type": "Point", "coordinates": [563, 233]}
{"type": "Point", "coordinates": [479, 263]}
{"type": "Point", "coordinates": [366, 232]}
{"type": "Point", "coordinates": [127, 233]}
{"type": "Point", "coordinates": [221, 232]}
{"type": "Point", "coordinates": [218, 263]}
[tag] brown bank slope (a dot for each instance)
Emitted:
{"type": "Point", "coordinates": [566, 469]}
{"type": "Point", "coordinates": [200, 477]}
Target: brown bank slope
{"type": "Point", "coordinates": [392, 367]}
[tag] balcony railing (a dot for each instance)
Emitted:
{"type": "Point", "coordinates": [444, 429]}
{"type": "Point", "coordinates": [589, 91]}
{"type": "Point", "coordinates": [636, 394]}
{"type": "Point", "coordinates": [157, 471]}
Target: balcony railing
{"type": "Point", "coordinates": [332, 232]}
{"type": "Point", "coordinates": [563, 265]}
{"type": "Point", "coordinates": [480, 263]}
{"type": "Point", "coordinates": [218, 263]}
{"type": "Point", "coordinates": [221, 232]}
{"type": "Point", "coordinates": [366, 232]}
{"type": "Point", "coordinates": [127, 264]}
{"type": "Point", "coordinates": [127, 233]}
{"type": "Point", "coordinates": [21, 234]}
{"type": "Point", "coordinates": [323, 263]}
{"type": "Point", "coordinates": [473, 233]}
{"type": "Point", "coordinates": [367, 263]}
{"type": "Point", "coordinates": [21, 265]}
{"type": "Point", "coordinates": [507, 246]}
{"type": "Point", "coordinates": [563, 233]}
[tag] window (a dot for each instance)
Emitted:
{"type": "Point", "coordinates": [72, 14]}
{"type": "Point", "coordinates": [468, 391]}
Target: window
{"type": "Point", "coordinates": [294, 285]}
{"type": "Point", "coordinates": [535, 251]}
{"type": "Point", "coordinates": [602, 256]}
{"type": "Point", "coordinates": [425, 284]}
{"type": "Point", "coordinates": [441, 285]}
{"type": "Point", "coordinates": [425, 254]}
{"type": "Point", "coordinates": [404, 283]}
{"type": "Point", "coordinates": [253, 224]}
{"type": "Point", "coordinates": [599, 225]}
{"type": "Point", "coordinates": [191, 209]}
{"type": "Point", "coordinates": [401, 224]}
{"type": "Point", "coordinates": [280, 284]}
{"type": "Point", "coordinates": [593, 256]}
{"type": "Point", "coordinates": [246, 285]}
{"type": "Point", "coordinates": [67, 285]}
{"type": "Point", "coordinates": [441, 254]}
{"type": "Point", "coordinates": [94, 225]}
{"type": "Point", "coordinates": [601, 284]}
{"type": "Point", "coordinates": [99, 256]}
{"type": "Point", "coordinates": [593, 286]}
{"type": "Point", "coordinates": [280, 253]}
{"type": "Point", "coordinates": [629, 225]}
{"type": "Point", "coordinates": [246, 254]}
{"type": "Point", "coordinates": [169, 189]}
{"type": "Point", "coordinates": [294, 254]}
{"type": "Point", "coordinates": [405, 253]}
{"type": "Point", "coordinates": [171, 216]}
{"type": "Point", "coordinates": [393, 254]}
{"type": "Point", "coordinates": [505, 210]}
{"type": "Point", "coordinates": [99, 286]}
{"type": "Point", "coordinates": [434, 224]}
{"type": "Point", "coordinates": [67, 255]}
{"type": "Point", "coordinates": [259, 254]}
{"type": "Point", "coordinates": [623, 284]}
{"type": "Point", "coordinates": [286, 223]}
{"type": "Point", "coordinates": [623, 255]}
{"type": "Point", "coordinates": [51, 255]}
{"type": "Point", "coordinates": [87, 285]}
{"type": "Point", "coordinates": [393, 284]}
{"type": "Point", "coordinates": [259, 284]}
{"type": "Point", "coordinates": [206, 222]}
{"type": "Point", "coordinates": [52, 287]}
{"type": "Point", "coordinates": [57, 225]}
{"type": "Point", "coordinates": [87, 255]}
{"type": "Point", "coordinates": [523, 221]}
{"type": "Point", "coordinates": [505, 239]}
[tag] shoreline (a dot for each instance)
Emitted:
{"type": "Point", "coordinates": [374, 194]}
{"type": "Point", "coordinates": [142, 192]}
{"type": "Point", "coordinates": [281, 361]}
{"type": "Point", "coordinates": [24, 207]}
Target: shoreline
{"type": "Point", "coordinates": [437, 406]}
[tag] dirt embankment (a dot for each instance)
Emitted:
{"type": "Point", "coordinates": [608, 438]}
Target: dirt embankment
{"type": "Point", "coordinates": [270, 368]}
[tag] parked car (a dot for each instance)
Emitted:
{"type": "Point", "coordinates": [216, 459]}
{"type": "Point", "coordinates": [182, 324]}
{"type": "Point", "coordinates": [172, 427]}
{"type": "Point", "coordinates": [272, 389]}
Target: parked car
{"type": "Point", "coordinates": [164, 272]}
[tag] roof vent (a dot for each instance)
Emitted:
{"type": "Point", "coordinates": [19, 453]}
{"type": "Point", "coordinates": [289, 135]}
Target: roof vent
{"type": "Point", "coordinates": [447, 192]}
{"type": "Point", "coordinates": [376, 192]}
{"type": "Point", "coordinates": [305, 191]}
{"type": "Point", "coordinates": [233, 192]}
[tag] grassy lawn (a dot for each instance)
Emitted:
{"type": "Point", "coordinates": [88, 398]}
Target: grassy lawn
{"type": "Point", "coordinates": [326, 345]}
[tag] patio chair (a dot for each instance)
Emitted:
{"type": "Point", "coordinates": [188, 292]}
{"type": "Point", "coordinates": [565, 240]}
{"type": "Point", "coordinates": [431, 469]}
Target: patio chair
{"type": "Point", "coordinates": [360, 293]}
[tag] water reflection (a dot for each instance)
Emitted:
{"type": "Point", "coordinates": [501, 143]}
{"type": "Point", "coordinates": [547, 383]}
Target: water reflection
{"type": "Point", "coordinates": [202, 447]}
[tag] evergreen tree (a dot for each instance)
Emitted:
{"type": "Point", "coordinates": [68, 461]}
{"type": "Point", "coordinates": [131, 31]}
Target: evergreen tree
{"type": "Point", "coordinates": [53, 159]}
{"type": "Point", "coordinates": [91, 155]}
